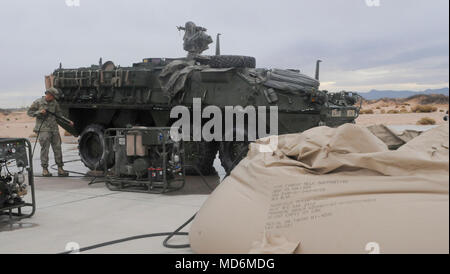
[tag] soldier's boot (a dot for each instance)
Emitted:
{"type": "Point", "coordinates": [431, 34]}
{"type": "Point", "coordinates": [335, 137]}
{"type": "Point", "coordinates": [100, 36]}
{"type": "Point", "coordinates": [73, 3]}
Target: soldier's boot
{"type": "Point", "coordinates": [45, 172]}
{"type": "Point", "coordinates": [62, 172]}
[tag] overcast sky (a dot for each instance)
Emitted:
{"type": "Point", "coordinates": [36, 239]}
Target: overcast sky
{"type": "Point", "coordinates": [400, 45]}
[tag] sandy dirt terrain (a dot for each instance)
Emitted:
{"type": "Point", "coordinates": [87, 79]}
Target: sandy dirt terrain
{"type": "Point", "coordinates": [18, 124]}
{"type": "Point", "coordinates": [398, 119]}
{"type": "Point", "coordinates": [401, 111]}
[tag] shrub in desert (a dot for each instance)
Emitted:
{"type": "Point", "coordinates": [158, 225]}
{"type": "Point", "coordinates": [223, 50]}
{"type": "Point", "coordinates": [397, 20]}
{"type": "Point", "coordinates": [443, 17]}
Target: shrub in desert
{"type": "Point", "coordinates": [393, 111]}
{"type": "Point", "coordinates": [416, 108]}
{"type": "Point", "coordinates": [441, 110]}
{"type": "Point", "coordinates": [378, 107]}
{"type": "Point", "coordinates": [383, 111]}
{"type": "Point", "coordinates": [403, 110]}
{"type": "Point", "coordinates": [367, 111]}
{"type": "Point", "coordinates": [426, 121]}
{"type": "Point", "coordinates": [424, 108]}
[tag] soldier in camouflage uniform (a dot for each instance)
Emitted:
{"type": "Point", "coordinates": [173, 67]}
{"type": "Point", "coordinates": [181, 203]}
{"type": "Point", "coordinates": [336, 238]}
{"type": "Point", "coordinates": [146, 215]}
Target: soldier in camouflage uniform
{"type": "Point", "coordinates": [47, 129]}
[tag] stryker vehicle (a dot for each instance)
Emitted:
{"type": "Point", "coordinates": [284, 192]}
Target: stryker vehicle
{"type": "Point", "coordinates": [106, 96]}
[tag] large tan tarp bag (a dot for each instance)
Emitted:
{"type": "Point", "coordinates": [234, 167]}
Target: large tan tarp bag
{"type": "Point", "coordinates": [393, 139]}
{"type": "Point", "coordinates": [332, 190]}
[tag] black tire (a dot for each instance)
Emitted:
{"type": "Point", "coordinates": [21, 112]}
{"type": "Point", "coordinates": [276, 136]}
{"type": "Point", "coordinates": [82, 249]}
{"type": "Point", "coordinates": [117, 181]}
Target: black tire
{"type": "Point", "coordinates": [200, 155]}
{"type": "Point", "coordinates": [231, 153]}
{"type": "Point", "coordinates": [93, 149]}
{"type": "Point", "coordinates": [232, 61]}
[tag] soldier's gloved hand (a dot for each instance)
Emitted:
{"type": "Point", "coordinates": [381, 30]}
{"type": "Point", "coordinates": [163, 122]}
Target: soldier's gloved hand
{"type": "Point", "coordinates": [43, 112]}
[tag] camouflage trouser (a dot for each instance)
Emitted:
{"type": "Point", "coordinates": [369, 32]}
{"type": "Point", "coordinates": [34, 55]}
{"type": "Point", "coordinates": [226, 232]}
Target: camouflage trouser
{"type": "Point", "coordinates": [46, 139]}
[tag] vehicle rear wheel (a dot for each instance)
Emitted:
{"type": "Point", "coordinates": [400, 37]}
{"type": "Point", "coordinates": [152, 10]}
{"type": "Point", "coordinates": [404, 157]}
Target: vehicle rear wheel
{"type": "Point", "coordinates": [93, 149]}
{"type": "Point", "coordinates": [231, 153]}
{"type": "Point", "coordinates": [200, 155]}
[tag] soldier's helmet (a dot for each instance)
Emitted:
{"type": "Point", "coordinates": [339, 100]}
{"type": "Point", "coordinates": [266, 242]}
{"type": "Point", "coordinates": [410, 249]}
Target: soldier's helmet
{"type": "Point", "coordinates": [54, 92]}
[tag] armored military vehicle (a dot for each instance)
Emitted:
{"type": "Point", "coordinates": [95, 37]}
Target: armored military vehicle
{"type": "Point", "coordinates": [105, 96]}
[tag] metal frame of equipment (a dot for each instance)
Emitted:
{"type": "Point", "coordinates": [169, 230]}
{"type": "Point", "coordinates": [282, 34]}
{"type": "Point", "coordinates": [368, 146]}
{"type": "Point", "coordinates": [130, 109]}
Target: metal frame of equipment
{"type": "Point", "coordinates": [120, 137]}
{"type": "Point", "coordinates": [18, 150]}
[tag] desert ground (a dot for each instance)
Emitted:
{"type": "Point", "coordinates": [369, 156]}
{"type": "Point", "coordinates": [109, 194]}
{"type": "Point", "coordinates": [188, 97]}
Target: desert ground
{"type": "Point", "coordinates": [398, 119]}
{"type": "Point", "coordinates": [18, 124]}
{"type": "Point", "coordinates": [406, 111]}
{"type": "Point", "coordinates": [384, 111]}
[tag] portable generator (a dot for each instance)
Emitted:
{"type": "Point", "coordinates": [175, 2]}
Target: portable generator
{"type": "Point", "coordinates": [15, 164]}
{"type": "Point", "coordinates": [147, 159]}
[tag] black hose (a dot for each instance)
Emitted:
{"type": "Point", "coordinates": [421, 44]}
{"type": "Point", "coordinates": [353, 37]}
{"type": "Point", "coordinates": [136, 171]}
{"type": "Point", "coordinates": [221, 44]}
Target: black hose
{"type": "Point", "coordinates": [34, 148]}
{"type": "Point", "coordinates": [52, 166]}
{"type": "Point", "coordinates": [37, 136]}
{"type": "Point", "coordinates": [80, 174]}
{"type": "Point", "coordinates": [137, 237]}
{"type": "Point", "coordinates": [169, 235]}
{"type": "Point", "coordinates": [7, 170]}
{"type": "Point", "coordinates": [176, 232]}
{"type": "Point", "coordinates": [74, 172]}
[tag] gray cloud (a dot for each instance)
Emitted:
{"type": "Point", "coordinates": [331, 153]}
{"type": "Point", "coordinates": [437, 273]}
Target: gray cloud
{"type": "Point", "coordinates": [401, 44]}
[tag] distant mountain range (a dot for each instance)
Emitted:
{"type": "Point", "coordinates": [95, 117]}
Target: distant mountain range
{"type": "Point", "coordinates": [378, 94]}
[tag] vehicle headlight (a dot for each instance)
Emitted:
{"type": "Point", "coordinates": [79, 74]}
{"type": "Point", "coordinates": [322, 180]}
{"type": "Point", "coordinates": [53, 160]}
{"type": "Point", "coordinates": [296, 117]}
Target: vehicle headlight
{"type": "Point", "coordinates": [335, 113]}
{"type": "Point", "coordinates": [351, 113]}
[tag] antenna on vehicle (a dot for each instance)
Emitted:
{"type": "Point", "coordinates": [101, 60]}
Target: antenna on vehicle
{"type": "Point", "coordinates": [317, 69]}
{"type": "Point", "coordinates": [218, 44]}
{"type": "Point", "coordinates": [100, 62]}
